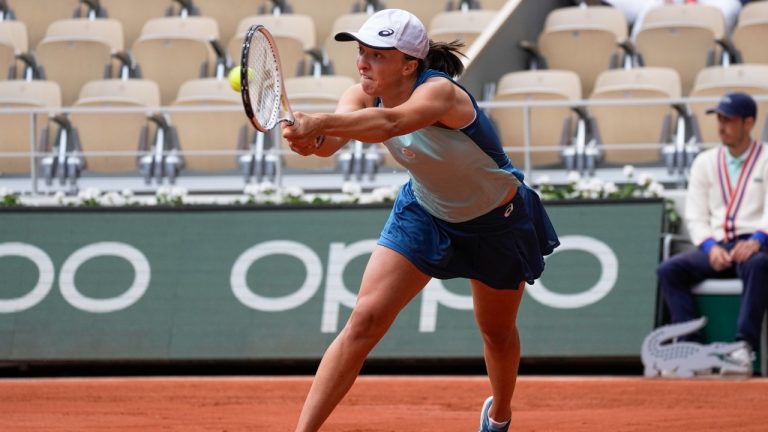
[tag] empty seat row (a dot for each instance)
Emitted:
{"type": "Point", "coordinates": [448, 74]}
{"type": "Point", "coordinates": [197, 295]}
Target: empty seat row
{"type": "Point", "coordinates": [130, 109]}
{"type": "Point", "coordinates": [171, 50]}
{"type": "Point", "coordinates": [38, 14]}
{"type": "Point", "coordinates": [628, 133]}
{"type": "Point", "coordinates": [687, 38]}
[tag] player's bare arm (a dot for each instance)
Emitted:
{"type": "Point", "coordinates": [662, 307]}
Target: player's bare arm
{"type": "Point", "coordinates": [436, 102]}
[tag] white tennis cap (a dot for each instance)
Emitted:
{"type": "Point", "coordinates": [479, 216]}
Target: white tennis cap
{"type": "Point", "coordinates": [392, 28]}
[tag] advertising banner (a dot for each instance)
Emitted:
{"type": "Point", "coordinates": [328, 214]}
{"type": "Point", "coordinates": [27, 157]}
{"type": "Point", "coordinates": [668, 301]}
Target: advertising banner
{"type": "Point", "coordinates": [270, 283]}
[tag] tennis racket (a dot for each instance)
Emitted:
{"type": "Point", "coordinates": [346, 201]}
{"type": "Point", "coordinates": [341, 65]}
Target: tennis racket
{"type": "Point", "coordinates": [261, 81]}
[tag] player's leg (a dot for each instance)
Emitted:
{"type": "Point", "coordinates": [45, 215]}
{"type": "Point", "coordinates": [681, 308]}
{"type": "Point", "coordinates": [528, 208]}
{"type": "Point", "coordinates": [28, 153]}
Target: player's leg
{"type": "Point", "coordinates": [496, 315]}
{"type": "Point", "coordinates": [677, 275]}
{"type": "Point", "coordinates": [754, 298]}
{"type": "Point", "coordinates": [390, 281]}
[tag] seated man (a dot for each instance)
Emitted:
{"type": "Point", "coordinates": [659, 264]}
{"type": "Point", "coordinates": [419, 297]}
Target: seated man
{"type": "Point", "coordinates": [727, 219]}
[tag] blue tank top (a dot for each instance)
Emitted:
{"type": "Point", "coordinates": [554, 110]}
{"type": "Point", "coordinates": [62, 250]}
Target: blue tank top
{"type": "Point", "coordinates": [456, 174]}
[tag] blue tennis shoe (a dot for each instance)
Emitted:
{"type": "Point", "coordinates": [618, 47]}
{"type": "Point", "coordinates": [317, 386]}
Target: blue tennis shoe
{"type": "Point", "coordinates": [485, 425]}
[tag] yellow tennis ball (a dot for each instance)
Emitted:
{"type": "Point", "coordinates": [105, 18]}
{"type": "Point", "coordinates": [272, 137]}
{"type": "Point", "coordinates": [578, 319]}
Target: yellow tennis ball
{"type": "Point", "coordinates": [234, 78]}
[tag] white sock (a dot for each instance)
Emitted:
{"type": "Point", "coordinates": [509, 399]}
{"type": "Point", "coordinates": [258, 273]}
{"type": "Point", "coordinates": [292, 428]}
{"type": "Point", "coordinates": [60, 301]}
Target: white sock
{"type": "Point", "coordinates": [497, 425]}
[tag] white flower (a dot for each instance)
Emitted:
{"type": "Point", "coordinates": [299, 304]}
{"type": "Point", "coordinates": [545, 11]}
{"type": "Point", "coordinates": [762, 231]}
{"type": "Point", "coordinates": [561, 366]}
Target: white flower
{"type": "Point", "coordinates": [610, 188]}
{"type": "Point", "coordinates": [267, 187]}
{"type": "Point", "coordinates": [293, 192]}
{"type": "Point", "coordinates": [112, 199]}
{"type": "Point", "coordinates": [59, 197]}
{"type": "Point", "coordinates": [655, 189]}
{"type": "Point", "coordinates": [629, 171]}
{"type": "Point", "coordinates": [369, 199]}
{"type": "Point", "coordinates": [574, 176]}
{"type": "Point", "coordinates": [4, 191]}
{"type": "Point", "coordinates": [89, 194]}
{"type": "Point", "coordinates": [542, 180]}
{"type": "Point", "coordinates": [582, 185]}
{"type": "Point", "coordinates": [178, 192]}
{"type": "Point", "coordinates": [351, 188]}
{"type": "Point", "coordinates": [644, 179]}
{"type": "Point", "coordinates": [343, 199]}
{"type": "Point", "coordinates": [163, 191]}
{"type": "Point", "coordinates": [385, 193]}
{"type": "Point", "coordinates": [595, 184]}
{"type": "Point", "coordinates": [126, 193]}
{"type": "Point", "coordinates": [275, 199]}
{"type": "Point", "coordinates": [251, 189]}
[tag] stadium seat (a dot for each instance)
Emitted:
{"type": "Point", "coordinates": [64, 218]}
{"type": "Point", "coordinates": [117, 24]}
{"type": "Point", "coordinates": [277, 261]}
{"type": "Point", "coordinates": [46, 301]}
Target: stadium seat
{"type": "Point", "coordinates": [751, 32]}
{"type": "Point", "coordinates": [424, 10]}
{"type": "Point", "coordinates": [682, 37]}
{"type": "Point", "coordinates": [636, 125]}
{"type": "Point", "coordinates": [104, 132]}
{"type": "Point", "coordinates": [293, 33]}
{"type": "Point", "coordinates": [133, 15]}
{"type": "Point", "coordinates": [209, 130]}
{"type": "Point", "coordinates": [39, 14]}
{"type": "Point", "coordinates": [549, 126]}
{"type": "Point", "coordinates": [75, 51]}
{"type": "Point", "coordinates": [343, 55]}
{"type": "Point", "coordinates": [582, 39]}
{"type": "Point", "coordinates": [462, 25]}
{"type": "Point", "coordinates": [16, 135]}
{"type": "Point", "coordinates": [13, 40]}
{"type": "Point", "coordinates": [324, 13]}
{"type": "Point", "coordinates": [228, 14]}
{"type": "Point", "coordinates": [173, 50]}
{"type": "Point", "coordinates": [715, 81]}
{"type": "Point", "coordinates": [306, 91]}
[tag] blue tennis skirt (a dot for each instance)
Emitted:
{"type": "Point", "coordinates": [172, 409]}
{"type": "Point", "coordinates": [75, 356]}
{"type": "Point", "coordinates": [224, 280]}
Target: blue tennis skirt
{"type": "Point", "coordinates": [500, 248]}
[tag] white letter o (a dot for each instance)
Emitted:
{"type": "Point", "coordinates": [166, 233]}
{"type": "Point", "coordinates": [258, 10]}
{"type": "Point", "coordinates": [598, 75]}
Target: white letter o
{"type": "Point", "coordinates": [239, 283]}
{"type": "Point", "coordinates": [609, 271]}
{"type": "Point", "coordinates": [44, 280]}
{"type": "Point", "coordinates": [134, 256]}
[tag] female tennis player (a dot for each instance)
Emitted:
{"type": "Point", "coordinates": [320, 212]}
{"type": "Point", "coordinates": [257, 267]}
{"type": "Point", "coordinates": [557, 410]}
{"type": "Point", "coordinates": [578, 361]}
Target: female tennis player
{"type": "Point", "coordinates": [465, 211]}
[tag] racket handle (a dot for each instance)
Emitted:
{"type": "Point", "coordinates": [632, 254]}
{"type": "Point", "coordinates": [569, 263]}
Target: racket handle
{"type": "Point", "coordinates": [292, 121]}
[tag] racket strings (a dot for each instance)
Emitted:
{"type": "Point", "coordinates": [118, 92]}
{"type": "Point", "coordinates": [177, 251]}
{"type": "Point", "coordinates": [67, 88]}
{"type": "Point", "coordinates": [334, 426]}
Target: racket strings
{"type": "Point", "coordinates": [265, 88]}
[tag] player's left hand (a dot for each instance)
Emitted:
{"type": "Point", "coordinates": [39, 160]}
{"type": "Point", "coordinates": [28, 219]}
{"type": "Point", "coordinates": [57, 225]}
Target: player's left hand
{"type": "Point", "coordinates": [744, 250]}
{"type": "Point", "coordinates": [299, 135]}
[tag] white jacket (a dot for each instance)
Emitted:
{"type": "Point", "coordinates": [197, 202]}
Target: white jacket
{"type": "Point", "coordinates": [714, 210]}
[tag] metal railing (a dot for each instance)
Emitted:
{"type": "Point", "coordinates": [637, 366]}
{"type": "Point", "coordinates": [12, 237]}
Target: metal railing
{"type": "Point", "coordinates": [680, 148]}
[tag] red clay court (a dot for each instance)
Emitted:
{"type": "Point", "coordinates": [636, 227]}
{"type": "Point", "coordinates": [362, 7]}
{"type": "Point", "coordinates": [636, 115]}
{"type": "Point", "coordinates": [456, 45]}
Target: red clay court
{"type": "Point", "coordinates": [377, 403]}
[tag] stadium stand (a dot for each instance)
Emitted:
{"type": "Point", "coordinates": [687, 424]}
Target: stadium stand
{"type": "Point", "coordinates": [323, 13]}
{"type": "Point", "coordinates": [551, 128]}
{"type": "Point", "coordinates": [221, 131]}
{"type": "Point", "coordinates": [13, 41]}
{"type": "Point", "coordinates": [751, 32]}
{"type": "Point", "coordinates": [172, 50]}
{"type": "Point", "coordinates": [228, 14]}
{"type": "Point", "coordinates": [645, 125]}
{"type": "Point", "coordinates": [134, 14]}
{"type": "Point", "coordinates": [343, 56]}
{"type": "Point", "coordinates": [16, 127]}
{"type": "Point", "coordinates": [715, 81]}
{"type": "Point", "coordinates": [123, 132]}
{"type": "Point", "coordinates": [459, 25]}
{"type": "Point", "coordinates": [683, 37]}
{"type": "Point", "coordinates": [583, 39]}
{"type": "Point", "coordinates": [75, 51]}
{"type": "Point", "coordinates": [317, 90]}
{"type": "Point", "coordinates": [293, 33]}
{"type": "Point", "coordinates": [39, 14]}
{"type": "Point", "coordinates": [424, 10]}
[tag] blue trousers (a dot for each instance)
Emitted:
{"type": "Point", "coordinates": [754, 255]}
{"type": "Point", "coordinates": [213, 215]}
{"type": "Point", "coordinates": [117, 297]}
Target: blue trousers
{"type": "Point", "coordinates": [681, 272]}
